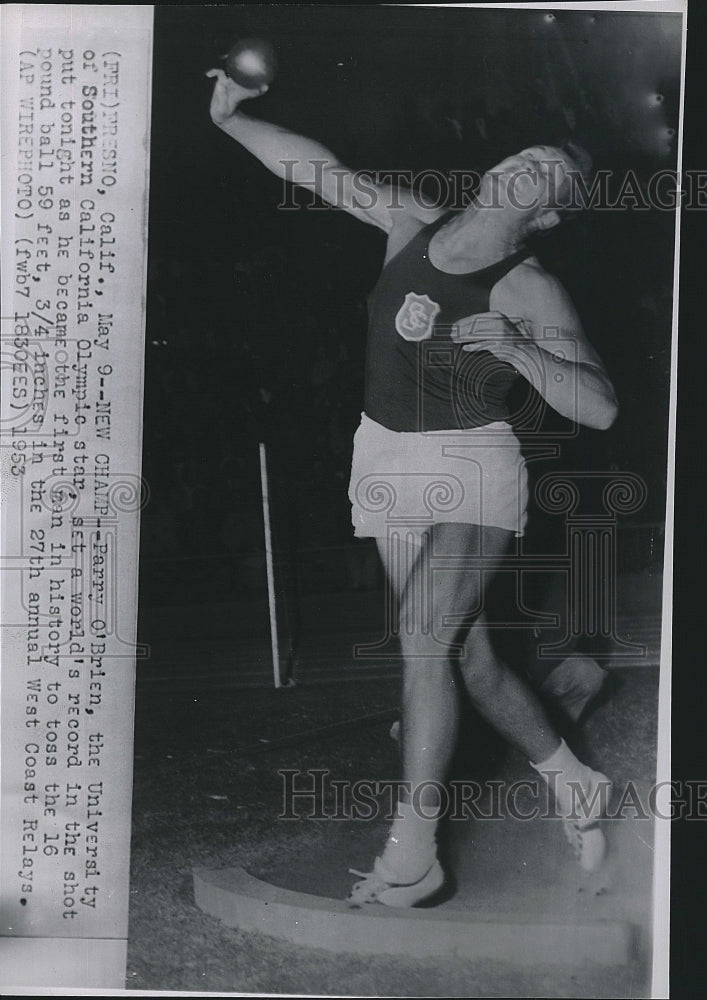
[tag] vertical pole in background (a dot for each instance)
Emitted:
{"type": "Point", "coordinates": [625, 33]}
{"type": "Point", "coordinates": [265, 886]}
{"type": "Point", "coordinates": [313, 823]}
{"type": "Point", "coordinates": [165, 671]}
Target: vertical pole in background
{"type": "Point", "coordinates": [269, 567]}
{"type": "Point", "coordinates": [64, 919]}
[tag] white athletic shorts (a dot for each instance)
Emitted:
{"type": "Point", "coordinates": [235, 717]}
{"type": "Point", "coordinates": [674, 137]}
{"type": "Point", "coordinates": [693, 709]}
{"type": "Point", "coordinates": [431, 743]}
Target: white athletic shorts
{"type": "Point", "coordinates": [409, 481]}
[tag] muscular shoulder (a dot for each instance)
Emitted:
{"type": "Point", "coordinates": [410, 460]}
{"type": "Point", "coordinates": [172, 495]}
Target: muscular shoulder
{"type": "Point", "coordinates": [531, 292]}
{"type": "Point", "coordinates": [529, 278]}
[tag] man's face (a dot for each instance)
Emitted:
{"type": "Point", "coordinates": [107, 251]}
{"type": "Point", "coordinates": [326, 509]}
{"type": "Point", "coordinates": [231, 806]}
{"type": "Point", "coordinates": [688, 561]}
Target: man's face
{"type": "Point", "coordinates": [530, 181]}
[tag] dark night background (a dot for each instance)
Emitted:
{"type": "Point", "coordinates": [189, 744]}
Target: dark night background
{"type": "Point", "coordinates": [256, 316]}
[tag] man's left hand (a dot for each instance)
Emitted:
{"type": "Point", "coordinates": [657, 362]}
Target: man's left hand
{"type": "Point", "coordinates": [506, 338]}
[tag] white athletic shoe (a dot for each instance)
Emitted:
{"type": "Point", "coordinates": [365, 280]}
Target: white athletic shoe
{"type": "Point", "coordinates": [584, 833]}
{"type": "Point", "coordinates": [588, 844]}
{"type": "Point", "coordinates": [377, 887]}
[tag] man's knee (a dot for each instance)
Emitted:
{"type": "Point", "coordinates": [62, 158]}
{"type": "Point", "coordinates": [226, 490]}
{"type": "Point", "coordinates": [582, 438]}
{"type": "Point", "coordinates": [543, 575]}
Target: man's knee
{"type": "Point", "coordinates": [443, 595]}
{"type": "Point", "coordinates": [421, 645]}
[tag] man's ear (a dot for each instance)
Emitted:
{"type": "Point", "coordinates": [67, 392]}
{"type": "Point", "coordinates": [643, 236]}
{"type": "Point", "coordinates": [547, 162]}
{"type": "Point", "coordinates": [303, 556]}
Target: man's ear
{"type": "Point", "coordinates": [547, 220]}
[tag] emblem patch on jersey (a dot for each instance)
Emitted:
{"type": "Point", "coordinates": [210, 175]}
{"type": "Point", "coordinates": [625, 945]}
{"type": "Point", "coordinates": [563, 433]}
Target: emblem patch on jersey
{"type": "Point", "coordinates": [416, 317]}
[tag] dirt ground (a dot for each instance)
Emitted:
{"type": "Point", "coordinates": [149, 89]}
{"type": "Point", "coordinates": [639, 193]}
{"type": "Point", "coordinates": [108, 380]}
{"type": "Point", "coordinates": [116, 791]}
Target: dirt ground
{"type": "Point", "coordinates": [207, 793]}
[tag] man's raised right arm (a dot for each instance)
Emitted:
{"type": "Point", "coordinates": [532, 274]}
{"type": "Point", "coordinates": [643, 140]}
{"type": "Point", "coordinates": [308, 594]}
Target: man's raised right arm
{"type": "Point", "coordinates": [303, 161]}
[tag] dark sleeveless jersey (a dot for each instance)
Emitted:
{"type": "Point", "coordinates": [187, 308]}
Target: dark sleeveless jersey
{"type": "Point", "coordinates": [417, 377]}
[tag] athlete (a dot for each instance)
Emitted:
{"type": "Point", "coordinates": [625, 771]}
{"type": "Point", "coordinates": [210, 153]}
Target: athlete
{"type": "Point", "coordinates": [461, 312]}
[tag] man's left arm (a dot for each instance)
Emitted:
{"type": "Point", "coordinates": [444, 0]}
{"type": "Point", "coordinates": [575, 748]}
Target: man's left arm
{"type": "Point", "coordinates": [534, 326]}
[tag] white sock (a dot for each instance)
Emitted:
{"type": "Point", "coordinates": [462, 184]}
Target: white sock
{"type": "Point", "coordinates": [566, 775]}
{"type": "Point", "coordinates": [411, 846]}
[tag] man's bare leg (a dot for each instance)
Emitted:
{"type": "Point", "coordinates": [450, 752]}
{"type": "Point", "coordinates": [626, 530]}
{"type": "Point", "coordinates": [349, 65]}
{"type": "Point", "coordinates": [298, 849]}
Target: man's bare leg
{"type": "Point", "coordinates": [432, 603]}
{"type": "Point", "coordinates": [438, 592]}
{"type": "Point", "coordinates": [433, 600]}
{"type": "Point", "coordinates": [576, 683]}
